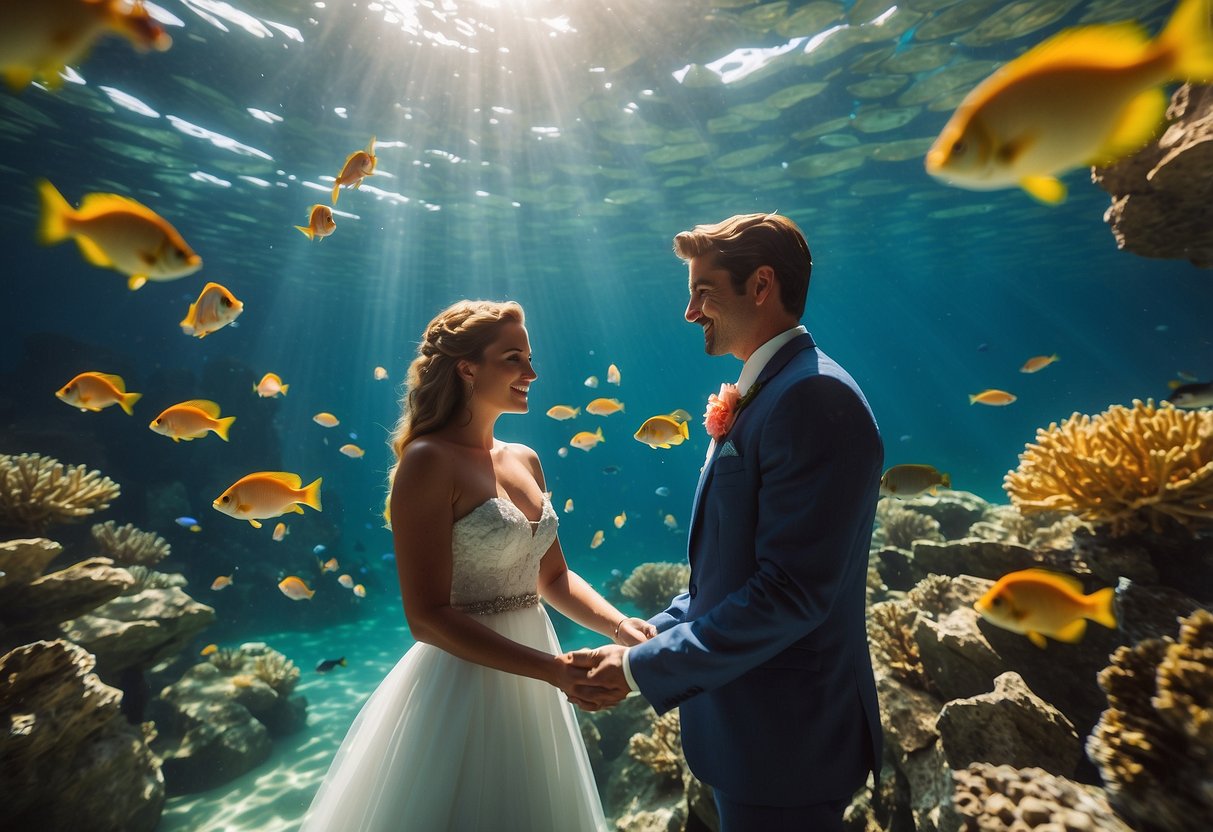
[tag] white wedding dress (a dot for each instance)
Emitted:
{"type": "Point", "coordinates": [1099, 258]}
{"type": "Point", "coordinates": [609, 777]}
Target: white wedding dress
{"type": "Point", "coordinates": [445, 744]}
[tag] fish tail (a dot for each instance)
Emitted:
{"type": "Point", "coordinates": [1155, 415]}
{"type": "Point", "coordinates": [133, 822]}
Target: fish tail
{"type": "Point", "coordinates": [336, 188]}
{"type": "Point", "coordinates": [55, 214]}
{"type": "Point", "coordinates": [684, 430]}
{"type": "Point", "coordinates": [187, 323]}
{"type": "Point", "coordinates": [1188, 38]}
{"type": "Point", "coordinates": [127, 402]}
{"type": "Point", "coordinates": [223, 426]}
{"type": "Point", "coordinates": [972, 399]}
{"type": "Point", "coordinates": [310, 234]}
{"type": "Point", "coordinates": [311, 495]}
{"type": "Point", "coordinates": [284, 388]}
{"type": "Point", "coordinates": [1102, 611]}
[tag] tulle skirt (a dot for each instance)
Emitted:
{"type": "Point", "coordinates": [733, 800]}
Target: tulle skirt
{"type": "Point", "coordinates": [445, 744]}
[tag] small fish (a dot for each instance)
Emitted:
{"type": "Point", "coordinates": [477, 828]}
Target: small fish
{"type": "Point", "coordinates": [1185, 377]}
{"type": "Point", "coordinates": [318, 549]}
{"type": "Point", "coordinates": [320, 222]}
{"type": "Point", "coordinates": [592, 381]}
{"type": "Point", "coordinates": [662, 432]}
{"type": "Point", "coordinates": [662, 491]}
{"type": "Point", "coordinates": [186, 522]}
{"type": "Point", "coordinates": [243, 680]}
{"type": "Point", "coordinates": [388, 556]}
{"type": "Point", "coordinates": [560, 412]}
{"type": "Point", "coordinates": [352, 451]}
{"type": "Point", "coordinates": [1192, 395]}
{"type": "Point", "coordinates": [568, 506]}
{"type": "Point", "coordinates": [994, 398]}
{"type": "Point", "coordinates": [612, 374]}
{"type": "Point", "coordinates": [358, 165]}
{"type": "Point", "coordinates": [1039, 603]}
{"type": "Point", "coordinates": [328, 664]}
{"type": "Point", "coordinates": [680, 415]}
{"type": "Point", "coordinates": [215, 308]}
{"type": "Point", "coordinates": [191, 420]}
{"type": "Point", "coordinates": [294, 588]}
{"type": "Point", "coordinates": [620, 519]}
{"type": "Point", "coordinates": [1038, 362]}
{"type": "Point", "coordinates": [326, 420]}
{"type": "Point", "coordinates": [604, 407]}
{"type": "Point", "coordinates": [611, 470]}
{"type": "Point", "coordinates": [118, 233]}
{"type": "Point", "coordinates": [585, 440]}
{"type": "Point", "coordinates": [670, 522]}
{"type": "Point", "coordinates": [909, 480]}
{"type": "Point", "coordinates": [208, 650]}
{"type": "Point", "coordinates": [280, 531]}
{"type": "Point", "coordinates": [222, 582]}
{"type": "Point", "coordinates": [94, 391]}
{"type": "Point", "coordinates": [330, 565]}
{"type": "Point", "coordinates": [360, 590]}
{"type": "Point", "coordinates": [562, 452]}
{"type": "Point", "coordinates": [599, 536]}
{"type": "Point", "coordinates": [267, 494]}
{"type": "Point", "coordinates": [270, 386]}
{"type": "Point", "coordinates": [1088, 95]}
{"type": "Point", "coordinates": [346, 581]}
{"type": "Point", "coordinates": [380, 373]}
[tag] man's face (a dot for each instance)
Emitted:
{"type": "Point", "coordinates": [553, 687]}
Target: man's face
{"type": "Point", "coordinates": [725, 316]}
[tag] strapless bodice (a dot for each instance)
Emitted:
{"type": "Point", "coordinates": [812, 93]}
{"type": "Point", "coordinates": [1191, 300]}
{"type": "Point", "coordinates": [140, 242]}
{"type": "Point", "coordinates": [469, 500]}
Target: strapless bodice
{"type": "Point", "coordinates": [496, 551]}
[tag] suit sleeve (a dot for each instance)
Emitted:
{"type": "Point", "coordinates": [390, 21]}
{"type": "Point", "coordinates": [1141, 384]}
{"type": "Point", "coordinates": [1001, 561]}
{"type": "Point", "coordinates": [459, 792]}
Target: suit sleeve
{"type": "Point", "coordinates": [820, 457]}
{"type": "Point", "coordinates": [674, 614]}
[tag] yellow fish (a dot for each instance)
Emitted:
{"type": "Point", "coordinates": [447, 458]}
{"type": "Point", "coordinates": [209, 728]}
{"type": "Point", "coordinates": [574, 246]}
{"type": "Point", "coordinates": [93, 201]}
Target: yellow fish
{"type": "Point", "coordinates": [209, 649]}
{"type": "Point", "coordinates": [117, 233]}
{"type": "Point", "coordinates": [1038, 362]}
{"type": "Point", "coordinates": [326, 420]}
{"type": "Point", "coordinates": [1088, 95]}
{"type": "Point", "coordinates": [352, 451]}
{"type": "Point", "coordinates": [320, 222]}
{"type": "Point", "coordinates": [592, 381]}
{"type": "Point", "coordinates": [267, 494]}
{"type": "Point", "coordinates": [329, 565]}
{"type": "Point", "coordinates": [93, 391]}
{"type": "Point", "coordinates": [586, 440]}
{"type": "Point", "coordinates": [192, 419]}
{"type": "Point", "coordinates": [215, 308]}
{"type": "Point", "coordinates": [599, 536]}
{"type": "Point", "coordinates": [41, 37]}
{"type": "Point", "coordinates": [612, 374]}
{"type": "Point", "coordinates": [994, 398]}
{"type": "Point", "coordinates": [270, 386]}
{"type": "Point", "coordinates": [222, 582]}
{"type": "Point", "coordinates": [358, 165]}
{"type": "Point", "coordinates": [620, 519]}
{"type": "Point", "coordinates": [1039, 603]}
{"type": "Point", "coordinates": [294, 588]}
{"type": "Point", "coordinates": [662, 432]}
{"type": "Point", "coordinates": [568, 506]}
{"type": "Point", "coordinates": [670, 522]}
{"type": "Point", "coordinates": [346, 581]}
{"type": "Point", "coordinates": [604, 407]}
{"type": "Point", "coordinates": [380, 373]}
{"type": "Point", "coordinates": [560, 412]}
{"type": "Point", "coordinates": [360, 590]}
{"type": "Point", "coordinates": [909, 480]}
{"type": "Point", "coordinates": [280, 531]}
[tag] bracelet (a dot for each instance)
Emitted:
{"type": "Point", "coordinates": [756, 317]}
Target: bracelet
{"type": "Point", "coordinates": [615, 638]}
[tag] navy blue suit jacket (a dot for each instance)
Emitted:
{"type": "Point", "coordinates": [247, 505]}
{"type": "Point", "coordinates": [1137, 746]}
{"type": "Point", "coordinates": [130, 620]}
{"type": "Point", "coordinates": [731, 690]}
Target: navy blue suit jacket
{"type": "Point", "coordinates": [767, 653]}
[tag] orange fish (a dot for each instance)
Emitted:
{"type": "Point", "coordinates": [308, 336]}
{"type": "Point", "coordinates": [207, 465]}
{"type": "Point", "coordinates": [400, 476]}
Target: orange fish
{"type": "Point", "coordinates": [380, 373]}
{"type": "Point", "coordinates": [94, 391]}
{"type": "Point", "coordinates": [267, 494]}
{"type": "Point", "coordinates": [670, 522]}
{"type": "Point", "coordinates": [192, 419]}
{"type": "Point", "coordinates": [568, 506]}
{"type": "Point", "coordinates": [620, 519]}
{"type": "Point", "coordinates": [346, 581]}
{"type": "Point", "coordinates": [329, 565]}
{"type": "Point", "coordinates": [294, 588]}
{"type": "Point", "coordinates": [560, 412]}
{"type": "Point", "coordinates": [280, 531]}
{"type": "Point", "coordinates": [994, 398]}
{"type": "Point", "coordinates": [360, 590]}
{"type": "Point", "coordinates": [352, 451]}
{"type": "Point", "coordinates": [222, 582]}
{"type": "Point", "coordinates": [592, 381]}
{"type": "Point", "coordinates": [118, 233]}
{"type": "Point", "coordinates": [604, 407]}
{"type": "Point", "coordinates": [320, 222]}
{"type": "Point", "coordinates": [1039, 603]}
{"type": "Point", "coordinates": [612, 374]}
{"type": "Point", "coordinates": [599, 536]}
{"type": "Point", "coordinates": [585, 440]}
{"type": "Point", "coordinates": [358, 165]}
{"type": "Point", "coordinates": [1038, 362]}
{"type": "Point", "coordinates": [215, 308]}
{"type": "Point", "coordinates": [209, 649]}
{"type": "Point", "coordinates": [270, 386]}
{"type": "Point", "coordinates": [326, 420]}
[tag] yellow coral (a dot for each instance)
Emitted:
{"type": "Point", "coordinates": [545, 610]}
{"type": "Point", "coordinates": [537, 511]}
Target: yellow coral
{"type": "Point", "coordinates": [1126, 467]}
{"type": "Point", "coordinates": [128, 545]}
{"type": "Point", "coordinates": [651, 586]}
{"type": "Point", "coordinates": [36, 491]}
{"type": "Point", "coordinates": [661, 750]}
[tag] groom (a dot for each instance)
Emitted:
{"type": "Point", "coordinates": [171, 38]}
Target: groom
{"type": "Point", "coordinates": [766, 653]}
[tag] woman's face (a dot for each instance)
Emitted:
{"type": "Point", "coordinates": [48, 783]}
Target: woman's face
{"type": "Point", "coordinates": [503, 377]}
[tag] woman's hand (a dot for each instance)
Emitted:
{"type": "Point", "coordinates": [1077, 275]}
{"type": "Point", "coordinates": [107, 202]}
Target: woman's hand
{"type": "Point", "coordinates": [634, 631]}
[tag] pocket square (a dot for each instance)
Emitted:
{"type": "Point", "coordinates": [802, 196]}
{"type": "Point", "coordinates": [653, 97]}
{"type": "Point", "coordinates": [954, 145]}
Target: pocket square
{"type": "Point", "coordinates": [728, 449]}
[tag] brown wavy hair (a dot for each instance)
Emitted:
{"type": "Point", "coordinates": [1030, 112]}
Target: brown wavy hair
{"type": "Point", "coordinates": [434, 395]}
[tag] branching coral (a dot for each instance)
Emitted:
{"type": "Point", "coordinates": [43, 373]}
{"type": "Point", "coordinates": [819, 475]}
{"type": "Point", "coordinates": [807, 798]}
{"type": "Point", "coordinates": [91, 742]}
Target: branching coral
{"type": "Point", "coordinates": [36, 491]}
{"type": "Point", "coordinates": [128, 545]}
{"type": "Point", "coordinates": [277, 671]}
{"type": "Point", "coordinates": [900, 527]}
{"type": "Point", "coordinates": [891, 639]}
{"type": "Point", "coordinates": [227, 659]}
{"type": "Point", "coordinates": [660, 750]}
{"type": "Point", "coordinates": [1154, 743]}
{"type": "Point", "coordinates": [1041, 530]}
{"type": "Point", "coordinates": [651, 585]}
{"type": "Point", "coordinates": [151, 579]}
{"type": "Point", "coordinates": [1126, 467]}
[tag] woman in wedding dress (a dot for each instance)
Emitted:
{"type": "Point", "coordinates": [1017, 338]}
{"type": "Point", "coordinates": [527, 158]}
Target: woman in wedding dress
{"type": "Point", "coordinates": [471, 730]}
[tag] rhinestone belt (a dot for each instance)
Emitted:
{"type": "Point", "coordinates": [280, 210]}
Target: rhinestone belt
{"type": "Point", "coordinates": [500, 604]}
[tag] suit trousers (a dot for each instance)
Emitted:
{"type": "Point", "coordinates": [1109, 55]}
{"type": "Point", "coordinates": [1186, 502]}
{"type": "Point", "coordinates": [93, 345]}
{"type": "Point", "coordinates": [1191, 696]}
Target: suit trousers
{"type": "Point", "coordinates": [812, 817]}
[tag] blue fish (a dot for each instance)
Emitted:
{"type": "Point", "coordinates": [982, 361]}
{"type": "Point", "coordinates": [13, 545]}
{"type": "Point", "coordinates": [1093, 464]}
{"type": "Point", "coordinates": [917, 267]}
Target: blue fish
{"type": "Point", "coordinates": [663, 491]}
{"type": "Point", "coordinates": [318, 549]}
{"type": "Point", "coordinates": [388, 556]}
{"type": "Point", "coordinates": [186, 522]}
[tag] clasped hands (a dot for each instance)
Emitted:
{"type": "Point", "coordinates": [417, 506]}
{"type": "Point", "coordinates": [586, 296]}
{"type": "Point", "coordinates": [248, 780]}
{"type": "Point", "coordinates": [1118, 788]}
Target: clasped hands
{"type": "Point", "coordinates": [593, 679]}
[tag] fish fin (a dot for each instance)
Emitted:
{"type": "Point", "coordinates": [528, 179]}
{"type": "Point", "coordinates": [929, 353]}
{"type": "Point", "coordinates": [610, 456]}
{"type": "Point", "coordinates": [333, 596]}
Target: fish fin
{"type": "Point", "coordinates": [1137, 125]}
{"type": "Point", "coordinates": [96, 203]}
{"type": "Point", "coordinates": [127, 402]}
{"type": "Point", "coordinates": [136, 281]}
{"type": "Point", "coordinates": [684, 430]}
{"type": "Point", "coordinates": [116, 381]}
{"type": "Point", "coordinates": [55, 213]}
{"type": "Point", "coordinates": [1104, 45]}
{"type": "Point", "coordinates": [336, 190]}
{"type": "Point", "coordinates": [296, 509]}
{"type": "Point", "coordinates": [370, 147]}
{"type": "Point", "coordinates": [254, 523]}
{"type": "Point", "coordinates": [284, 477]}
{"type": "Point", "coordinates": [1189, 37]}
{"type": "Point", "coordinates": [18, 78]}
{"type": "Point", "coordinates": [307, 231]}
{"type": "Point", "coordinates": [284, 388]}
{"type": "Point", "coordinates": [1102, 611]}
{"type": "Point", "coordinates": [1072, 632]}
{"type": "Point", "coordinates": [187, 323]}
{"type": "Point", "coordinates": [311, 495]}
{"type": "Point", "coordinates": [1047, 189]}
{"type": "Point", "coordinates": [972, 399]}
{"type": "Point", "coordinates": [93, 252]}
{"type": "Point", "coordinates": [205, 405]}
{"type": "Point", "coordinates": [1069, 581]}
{"type": "Point", "coordinates": [1037, 639]}
{"type": "Point", "coordinates": [1010, 152]}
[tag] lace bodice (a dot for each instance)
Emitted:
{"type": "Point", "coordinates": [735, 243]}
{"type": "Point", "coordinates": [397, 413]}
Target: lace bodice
{"type": "Point", "coordinates": [496, 551]}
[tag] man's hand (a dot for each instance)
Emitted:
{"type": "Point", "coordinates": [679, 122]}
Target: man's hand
{"type": "Point", "coordinates": [634, 631]}
{"type": "Point", "coordinates": [604, 685]}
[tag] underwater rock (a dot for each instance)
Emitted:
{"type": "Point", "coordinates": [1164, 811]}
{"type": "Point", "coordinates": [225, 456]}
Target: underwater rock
{"type": "Point", "coordinates": [898, 527]}
{"type": "Point", "coordinates": [989, 797]}
{"type": "Point", "coordinates": [955, 511]}
{"type": "Point", "coordinates": [972, 556]}
{"type": "Point", "coordinates": [1162, 196]}
{"type": "Point", "coordinates": [1150, 611]}
{"type": "Point", "coordinates": [70, 760]}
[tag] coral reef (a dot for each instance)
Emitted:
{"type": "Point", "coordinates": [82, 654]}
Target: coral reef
{"type": "Point", "coordinates": [1154, 743]}
{"type": "Point", "coordinates": [1042, 530]}
{"type": "Point", "coordinates": [899, 527]}
{"type": "Point", "coordinates": [128, 546]}
{"type": "Point", "coordinates": [662, 749]}
{"type": "Point", "coordinates": [891, 641]}
{"type": "Point", "coordinates": [651, 585]}
{"type": "Point", "coordinates": [277, 671]}
{"type": "Point", "coordinates": [36, 491]}
{"type": "Point", "coordinates": [151, 579]}
{"type": "Point", "coordinates": [1125, 468]}
{"type": "Point", "coordinates": [990, 797]}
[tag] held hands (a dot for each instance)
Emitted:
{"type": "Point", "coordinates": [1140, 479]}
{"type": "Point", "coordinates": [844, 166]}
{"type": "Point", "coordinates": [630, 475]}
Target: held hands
{"type": "Point", "coordinates": [604, 684]}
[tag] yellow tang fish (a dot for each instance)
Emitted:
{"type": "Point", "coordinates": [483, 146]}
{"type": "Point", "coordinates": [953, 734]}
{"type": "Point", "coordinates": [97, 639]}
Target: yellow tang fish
{"type": "Point", "coordinates": [352, 451]}
{"type": "Point", "coordinates": [599, 536]}
{"type": "Point", "coordinates": [1038, 362]}
{"type": "Point", "coordinates": [909, 480]}
{"type": "Point", "coordinates": [670, 522]}
{"type": "Point", "coordinates": [358, 165]}
{"type": "Point", "coordinates": [346, 581]}
{"type": "Point", "coordinates": [270, 386]}
{"type": "Point", "coordinates": [662, 432]}
{"type": "Point", "coordinates": [320, 222]}
{"type": "Point", "coordinates": [612, 374]}
{"type": "Point", "coordinates": [294, 588]}
{"type": "Point", "coordinates": [192, 419]}
{"type": "Point", "coordinates": [620, 519]}
{"type": "Point", "coordinates": [994, 398]}
{"type": "Point", "coordinates": [215, 308]}
{"type": "Point", "coordinates": [209, 649]}
{"type": "Point", "coordinates": [222, 582]}
{"type": "Point", "coordinates": [267, 494]}
{"type": "Point", "coordinates": [1086, 96]}
{"type": "Point", "coordinates": [568, 506]}
{"type": "Point", "coordinates": [604, 407]}
{"type": "Point", "coordinates": [560, 412]}
{"type": "Point", "coordinates": [93, 391]}
{"type": "Point", "coordinates": [380, 373]}
{"type": "Point", "coordinates": [326, 420]}
{"type": "Point", "coordinates": [41, 37]}
{"type": "Point", "coordinates": [118, 233]}
{"type": "Point", "coordinates": [280, 531]}
{"type": "Point", "coordinates": [1039, 603]}
{"type": "Point", "coordinates": [360, 590]}
{"type": "Point", "coordinates": [585, 440]}
{"type": "Point", "coordinates": [329, 565]}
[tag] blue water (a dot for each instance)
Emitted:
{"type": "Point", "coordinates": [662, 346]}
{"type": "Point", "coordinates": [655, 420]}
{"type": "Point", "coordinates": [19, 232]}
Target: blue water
{"type": "Point", "coordinates": [518, 159]}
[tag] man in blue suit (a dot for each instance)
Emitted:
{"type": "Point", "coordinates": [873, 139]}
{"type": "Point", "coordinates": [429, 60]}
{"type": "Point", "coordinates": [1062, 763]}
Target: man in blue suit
{"type": "Point", "coordinates": [766, 653]}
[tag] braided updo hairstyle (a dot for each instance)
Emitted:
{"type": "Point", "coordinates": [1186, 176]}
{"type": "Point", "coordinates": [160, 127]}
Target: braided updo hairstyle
{"type": "Point", "coordinates": [434, 393]}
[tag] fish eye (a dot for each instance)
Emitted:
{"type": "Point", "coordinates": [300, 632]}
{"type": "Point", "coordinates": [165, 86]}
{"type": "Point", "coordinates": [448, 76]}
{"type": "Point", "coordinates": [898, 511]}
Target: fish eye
{"type": "Point", "coordinates": [226, 302]}
{"type": "Point", "coordinates": [225, 499]}
{"type": "Point", "coordinates": [959, 147]}
{"type": "Point", "coordinates": [997, 602]}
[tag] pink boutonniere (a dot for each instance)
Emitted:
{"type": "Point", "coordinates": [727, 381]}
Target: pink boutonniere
{"type": "Point", "coordinates": [723, 408]}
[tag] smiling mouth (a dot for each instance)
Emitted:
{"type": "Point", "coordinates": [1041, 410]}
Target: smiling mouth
{"type": "Point", "coordinates": [521, 390]}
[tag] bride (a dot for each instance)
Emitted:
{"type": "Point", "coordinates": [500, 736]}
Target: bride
{"type": "Point", "coordinates": [470, 730]}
